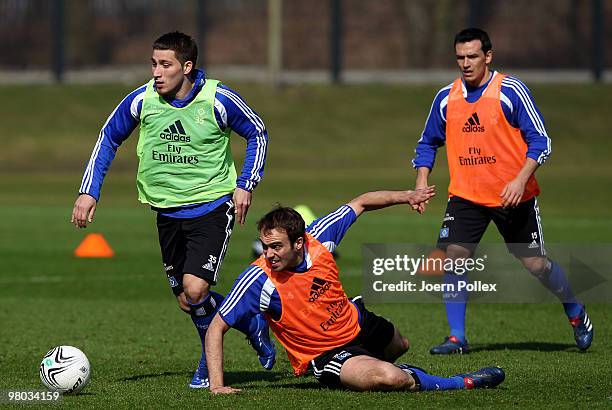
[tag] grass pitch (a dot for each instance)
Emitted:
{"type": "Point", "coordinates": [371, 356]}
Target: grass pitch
{"type": "Point", "coordinates": [326, 146]}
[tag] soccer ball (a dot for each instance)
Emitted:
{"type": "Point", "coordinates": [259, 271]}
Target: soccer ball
{"type": "Point", "coordinates": [65, 369]}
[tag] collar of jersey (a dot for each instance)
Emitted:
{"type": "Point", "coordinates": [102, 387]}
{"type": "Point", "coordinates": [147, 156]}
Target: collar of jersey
{"type": "Point", "coordinates": [197, 86]}
{"type": "Point", "coordinates": [472, 94]}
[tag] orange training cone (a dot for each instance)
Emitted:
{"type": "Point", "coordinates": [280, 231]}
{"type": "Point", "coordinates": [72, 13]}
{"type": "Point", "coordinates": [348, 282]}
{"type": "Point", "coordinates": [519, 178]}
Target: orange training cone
{"type": "Point", "coordinates": [94, 246]}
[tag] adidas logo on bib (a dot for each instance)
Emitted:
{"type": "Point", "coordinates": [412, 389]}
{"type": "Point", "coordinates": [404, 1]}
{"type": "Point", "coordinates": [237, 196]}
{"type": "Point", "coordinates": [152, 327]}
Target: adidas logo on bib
{"type": "Point", "coordinates": [175, 132]}
{"type": "Point", "coordinates": [318, 288]}
{"type": "Point", "coordinates": [473, 124]}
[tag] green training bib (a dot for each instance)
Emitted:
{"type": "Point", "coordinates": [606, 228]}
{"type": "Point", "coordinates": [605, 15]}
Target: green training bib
{"type": "Point", "coordinates": [184, 157]}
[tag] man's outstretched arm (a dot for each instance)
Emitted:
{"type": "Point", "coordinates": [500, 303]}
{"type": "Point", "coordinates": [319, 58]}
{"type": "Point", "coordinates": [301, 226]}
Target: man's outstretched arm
{"type": "Point", "coordinates": [214, 356]}
{"type": "Point", "coordinates": [383, 199]}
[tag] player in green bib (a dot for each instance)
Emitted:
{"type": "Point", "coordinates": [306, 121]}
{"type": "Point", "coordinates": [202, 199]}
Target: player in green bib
{"type": "Point", "coordinates": [170, 162]}
{"type": "Point", "coordinates": [186, 174]}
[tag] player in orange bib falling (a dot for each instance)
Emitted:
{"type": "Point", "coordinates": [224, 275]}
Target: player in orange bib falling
{"type": "Point", "coordinates": [296, 284]}
{"type": "Point", "coordinates": [495, 140]}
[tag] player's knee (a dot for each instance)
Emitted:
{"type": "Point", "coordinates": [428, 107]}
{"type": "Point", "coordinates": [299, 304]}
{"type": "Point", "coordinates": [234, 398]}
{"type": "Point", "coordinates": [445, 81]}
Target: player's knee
{"type": "Point", "coordinates": [405, 344]}
{"type": "Point", "coordinates": [400, 345]}
{"type": "Point", "coordinates": [195, 290]}
{"type": "Point", "coordinates": [457, 252]}
{"type": "Point", "coordinates": [392, 378]}
{"type": "Point", "coordinates": [537, 265]}
{"type": "Point", "coordinates": [397, 347]}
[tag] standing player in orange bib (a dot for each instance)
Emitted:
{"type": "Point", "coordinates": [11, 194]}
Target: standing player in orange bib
{"type": "Point", "coordinates": [296, 284]}
{"type": "Point", "coordinates": [496, 139]}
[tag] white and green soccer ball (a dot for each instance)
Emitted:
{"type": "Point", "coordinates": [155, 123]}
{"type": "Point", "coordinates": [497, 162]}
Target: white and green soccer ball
{"type": "Point", "coordinates": [65, 369]}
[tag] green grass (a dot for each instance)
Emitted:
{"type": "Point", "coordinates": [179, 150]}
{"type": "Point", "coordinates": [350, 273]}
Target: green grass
{"type": "Point", "coordinates": [326, 145]}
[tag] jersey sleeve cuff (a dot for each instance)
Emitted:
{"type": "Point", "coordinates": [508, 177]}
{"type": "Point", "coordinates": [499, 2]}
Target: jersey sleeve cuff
{"type": "Point", "coordinates": [416, 165]}
{"type": "Point", "coordinates": [94, 196]}
{"type": "Point", "coordinates": [246, 185]}
{"type": "Point", "coordinates": [538, 157]}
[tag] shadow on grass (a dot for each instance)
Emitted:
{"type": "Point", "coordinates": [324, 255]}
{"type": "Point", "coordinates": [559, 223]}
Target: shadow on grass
{"type": "Point", "coordinates": [230, 377]}
{"type": "Point", "coordinates": [310, 385]}
{"type": "Point", "coordinates": [237, 377]}
{"type": "Point", "coordinates": [139, 377]}
{"type": "Point", "coordinates": [282, 380]}
{"type": "Point", "coordinates": [536, 346]}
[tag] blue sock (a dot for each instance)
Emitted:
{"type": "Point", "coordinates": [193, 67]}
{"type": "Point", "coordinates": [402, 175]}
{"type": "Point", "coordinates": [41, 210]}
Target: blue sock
{"type": "Point", "coordinates": [429, 382]}
{"type": "Point", "coordinates": [202, 314]}
{"type": "Point", "coordinates": [455, 303]}
{"type": "Point", "coordinates": [554, 279]}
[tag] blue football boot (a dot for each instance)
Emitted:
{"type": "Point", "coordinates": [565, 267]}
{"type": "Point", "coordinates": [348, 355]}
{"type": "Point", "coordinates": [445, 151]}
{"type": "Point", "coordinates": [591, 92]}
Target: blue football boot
{"type": "Point", "coordinates": [259, 338]}
{"type": "Point", "coordinates": [200, 377]}
{"type": "Point", "coordinates": [583, 330]}
{"type": "Point", "coordinates": [451, 345]}
{"type": "Point", "coordinates": [485, 378]}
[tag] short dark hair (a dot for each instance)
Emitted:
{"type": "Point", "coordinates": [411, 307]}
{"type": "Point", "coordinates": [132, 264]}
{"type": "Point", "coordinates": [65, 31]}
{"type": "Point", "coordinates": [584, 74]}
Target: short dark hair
{"type": "Point", "coordinates": [286, 218]}
{"type": "Point", "coordinates": [474, 33]}
{"type": "Point", "coordinates": [182, 44]}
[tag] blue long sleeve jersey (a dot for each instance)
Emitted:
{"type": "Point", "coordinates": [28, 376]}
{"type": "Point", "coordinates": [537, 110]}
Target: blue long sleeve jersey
{"type": "Point", "coordinates": [518, 107]}
{"type": "Point", "coordinates": [230, 111]}
{"type": "Point", "coordinates": [254, 292]}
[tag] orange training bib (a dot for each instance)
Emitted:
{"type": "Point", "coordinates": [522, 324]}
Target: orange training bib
{"type": "Point", "coordinates": [484, 151]}
{"type": "Point", "coordinates": [316, 314]}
